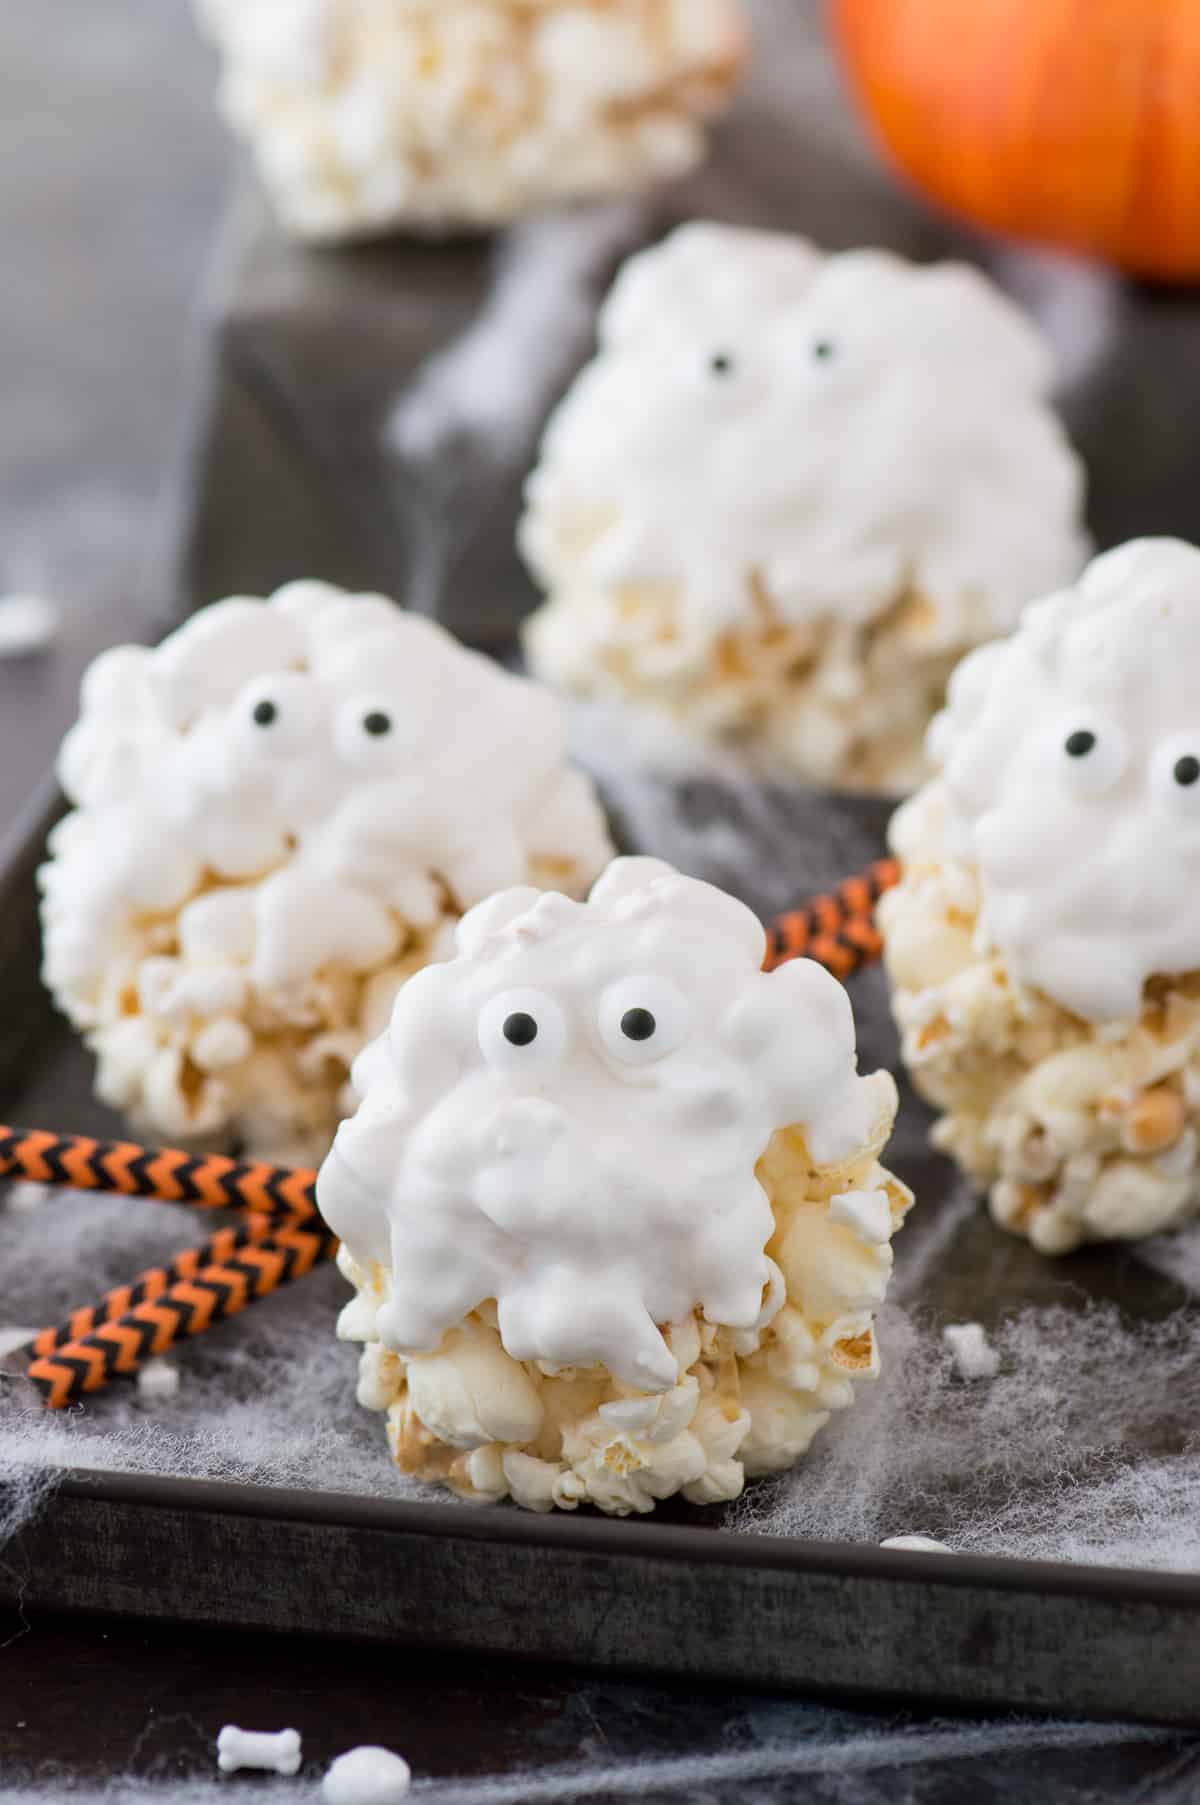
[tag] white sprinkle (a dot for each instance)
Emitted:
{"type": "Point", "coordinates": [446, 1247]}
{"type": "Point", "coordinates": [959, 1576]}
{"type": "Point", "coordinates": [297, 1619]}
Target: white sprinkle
{"type": "Point", "coordinates": [366, 1776]}
{"type": "Point", "coordinates": [158, 1382]}
{"type": "Point", "coordinates": [268, 1749]}
{"type": "Point", "coordinates": [974, 1356]}
{"type": "Point", "coordinates": [917, 1544]}
{"type": "Point", "coordinates": [28, 623]}
{"type": "Point", "coordinates": [25, 1195]}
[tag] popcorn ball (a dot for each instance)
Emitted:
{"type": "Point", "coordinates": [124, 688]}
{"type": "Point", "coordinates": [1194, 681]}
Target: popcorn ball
{"type": "Point", "coordinates": [612, 1202]}
{"type": "Point", "coordinates": [369, 114]}
{"type": "Point", "coordinates": [1044, 944]}
{"type": "Point", "coordinates": [789, 492]}
{"type": "Point", "coordinates": [278, 817]}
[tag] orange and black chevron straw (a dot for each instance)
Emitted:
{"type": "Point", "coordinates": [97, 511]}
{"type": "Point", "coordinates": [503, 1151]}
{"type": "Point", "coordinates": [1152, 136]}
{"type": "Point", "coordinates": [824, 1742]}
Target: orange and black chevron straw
{"type": "Point", "coordinates": [233, 1269]}
{"type": "Point", "coordinates": [210, 1181]}
{"type": "Point", "coordinates": [280, 1238]}
{"type": "Point", "coordinates": [152, 1284]}
{"type": "Point", "coordinates": [837, 930]}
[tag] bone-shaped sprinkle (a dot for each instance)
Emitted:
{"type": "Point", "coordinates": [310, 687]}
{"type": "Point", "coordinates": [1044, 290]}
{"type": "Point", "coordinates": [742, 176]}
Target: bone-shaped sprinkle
{"type": "Point", "coordinates": [270, 1749]}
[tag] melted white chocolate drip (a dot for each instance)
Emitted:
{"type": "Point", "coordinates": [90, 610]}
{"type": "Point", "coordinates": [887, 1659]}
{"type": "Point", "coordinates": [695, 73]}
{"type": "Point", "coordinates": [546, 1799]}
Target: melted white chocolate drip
{"type": "Point", "coordinates": [297, 785]}
{"type": "Point", "coordinates": [824, 432]}
{"type": "Point", "coordinates": [566, 1118]}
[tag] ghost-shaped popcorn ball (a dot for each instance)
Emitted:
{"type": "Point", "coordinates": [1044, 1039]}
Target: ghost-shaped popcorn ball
{"type": "Point", "coordinates": [278, 816]}
{"type": "Point", "coordinates": [1044, 944]}
{"type": "Point", "coordinates": [789, 492]}
{"type": "Point", "coordinates": [612, 1202]}
{"type": "Point", "coordinates": [365, 115]}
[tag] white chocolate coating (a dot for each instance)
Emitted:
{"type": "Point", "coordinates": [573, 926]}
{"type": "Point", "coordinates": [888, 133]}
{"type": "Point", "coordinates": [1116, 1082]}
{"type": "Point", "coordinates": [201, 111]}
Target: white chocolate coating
{"type": "Point", "coordinates": [1043, 951]}
{"type": "Point", "coordinates": [1070, 760]}
{"type": "Point", "coordinates": [548, 1230]}
{"type": "Point", "coordinates": [368, 114]}
{"type": "Point", "coordinates": [790, 489]}
{"type": "Point", "coordinates": [278, 814]}
{"type": "Point", "coordinates": [1081, 1131]}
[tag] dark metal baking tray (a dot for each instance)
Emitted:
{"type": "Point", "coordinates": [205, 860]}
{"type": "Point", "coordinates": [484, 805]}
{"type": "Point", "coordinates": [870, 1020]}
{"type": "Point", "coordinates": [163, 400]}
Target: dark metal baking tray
{"type": "Point", "coordinates": [667, 1596]}
{"type": "Point", "coordinates": [293, 478]}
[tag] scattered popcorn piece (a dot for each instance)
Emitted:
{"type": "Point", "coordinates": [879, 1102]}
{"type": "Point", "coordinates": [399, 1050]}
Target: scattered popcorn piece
{"type": "Point", "coordinates": [11, 1339]}
{"type": "Point", "coordinates": [367, 1776]}
{"type": "Point", "coordinates": [973, 1354]}
{"type": "Point", "coordinates": [28, 624]}
{"type": "Point", "coordinates": [728, 542]}
{"type": "Point", "coordinates": [277, 1750]}
{"type": "Point", "coordinates": [917, 1544]}
{"type": "Point", "coordinates": [1044, 959]}
{"type": "Point", "coordinates": [279, 815]}
{"type": "Point", "coordinates": [541, 1318]}
{"type": "Point", "coordinates": [158, 1382]}
{"type": "Point", "coordinates": [369, 114]}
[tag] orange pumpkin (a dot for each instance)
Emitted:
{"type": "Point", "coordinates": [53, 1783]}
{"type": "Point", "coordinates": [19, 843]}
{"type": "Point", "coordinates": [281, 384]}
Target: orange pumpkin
{"type": "Point", "coordinates": [1074, 122]}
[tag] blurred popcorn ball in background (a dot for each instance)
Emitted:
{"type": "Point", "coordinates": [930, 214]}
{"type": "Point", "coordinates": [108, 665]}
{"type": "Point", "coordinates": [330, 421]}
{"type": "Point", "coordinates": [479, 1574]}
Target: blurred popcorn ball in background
{"type": "Point", "coordinates": [365, 115]}
{"type": "Point", "coordinates": [790, 491]}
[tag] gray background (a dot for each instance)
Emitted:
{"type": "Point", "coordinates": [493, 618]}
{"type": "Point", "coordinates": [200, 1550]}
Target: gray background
{"type": "Point", "coordinates": [113, 170]}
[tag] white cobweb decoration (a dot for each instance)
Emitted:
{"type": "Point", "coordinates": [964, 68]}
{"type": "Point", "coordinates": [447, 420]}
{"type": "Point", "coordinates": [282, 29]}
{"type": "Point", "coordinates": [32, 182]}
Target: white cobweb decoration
{"type": "Point", "coordinates": [838, 1757]}
{"type": "Point", "coordinates": [267, 1399]}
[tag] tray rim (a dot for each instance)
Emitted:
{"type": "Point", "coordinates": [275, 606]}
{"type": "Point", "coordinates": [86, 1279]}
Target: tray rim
{"type": "Point", "coordinates": [643, 1538]}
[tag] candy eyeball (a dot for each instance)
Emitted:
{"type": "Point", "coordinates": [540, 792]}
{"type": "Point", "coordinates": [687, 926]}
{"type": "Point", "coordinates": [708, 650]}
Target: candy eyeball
{"type": "Point", "coordinates": [641, 1020]}
{"type": "Point", "coordinates": [276, 715]}
{"type": "Point", "coordinates": [522, 1031]}
{"type": "Point", "coordinates": [720, 373]}
{"type": "Point", "coordinates": [1175, 774]}
{"type": "Point", "coordinates": [1089, 753]}
{"type": "Point", "coordinates": [366, 732]}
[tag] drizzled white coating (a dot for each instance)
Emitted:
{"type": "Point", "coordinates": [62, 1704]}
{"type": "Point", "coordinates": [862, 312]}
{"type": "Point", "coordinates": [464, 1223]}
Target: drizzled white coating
{"type": "Point", "coordinates": [1070, 766]}
{"type": "Point", "coordinates": [367, 114]}
{"type": "Point", "coordinates": [776, 449]}
{"type": "Point", "coordinates": [597, 1179]}
{"type": "Point", "coordinates": [278, 811]}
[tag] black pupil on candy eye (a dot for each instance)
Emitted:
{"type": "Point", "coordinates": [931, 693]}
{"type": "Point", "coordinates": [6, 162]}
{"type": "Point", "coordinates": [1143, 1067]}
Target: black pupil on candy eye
{"type": "Point", "coordinates": [1079, 743]}
{"type": "Point", "coordinates": [822, 350]}
{"type": "Point", "coordinates": [1187, 770]}
{"type": "Point", "coordinates": [264, 713]}
{"type": "Point", "coordinates": [377, 723]}
{"type": "Point", "coordinates": [638, 1024]}
{"type": "Point", "coordinates": [520, 1029]}
{"type": "Point", "coordinates": [720, 363]}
